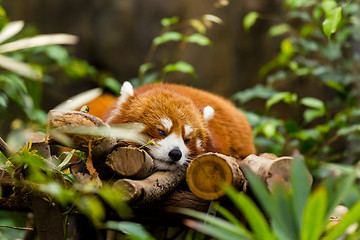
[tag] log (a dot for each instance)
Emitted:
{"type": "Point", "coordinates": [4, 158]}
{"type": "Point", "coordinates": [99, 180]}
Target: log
{"type": "Point", "coordinates": [153, 188]}
{"type": "Point", "coordinates": [72, 129]}
{"type": "Point", "coordinates": [206, 174]}
{"type": "Point", "coordinates": [130, 162]}
{"type": "Point", "coordinates": [269, 168]}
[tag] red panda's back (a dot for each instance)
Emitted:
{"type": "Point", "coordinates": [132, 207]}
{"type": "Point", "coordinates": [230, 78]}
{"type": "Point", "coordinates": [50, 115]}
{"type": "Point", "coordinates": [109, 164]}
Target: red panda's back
{"type": "Point", "coordinates": [229, 129]}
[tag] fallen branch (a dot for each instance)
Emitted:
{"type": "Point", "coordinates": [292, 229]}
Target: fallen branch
{"type": "Point", "coordinates": [153, 188]}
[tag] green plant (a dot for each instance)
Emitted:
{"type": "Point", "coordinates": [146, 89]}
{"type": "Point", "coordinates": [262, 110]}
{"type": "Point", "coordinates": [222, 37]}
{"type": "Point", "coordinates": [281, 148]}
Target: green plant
{"type": "Point", "coordinates": [287, 213]}
{"type": "Point", "coordinates": [318, 50]}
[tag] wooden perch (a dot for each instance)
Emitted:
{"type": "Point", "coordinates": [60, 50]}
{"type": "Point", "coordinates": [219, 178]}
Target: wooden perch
{"type": "Point", "coordinates": [269, 168]}
{"type": "Point", "coordinates": [64, 128]}
{"type": "Point", "coordinates": [208, 172]}
{"type": "Point", "coordinates": [154, 187]}
{"type": "Point", "coordinates": [130, 162]}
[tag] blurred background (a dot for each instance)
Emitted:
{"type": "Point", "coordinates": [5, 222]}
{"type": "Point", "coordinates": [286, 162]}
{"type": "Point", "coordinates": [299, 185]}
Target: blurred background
{"type": "Point", "coordinates": [292, 66]}
{"type": "Point", "coordinates": [116, 36]}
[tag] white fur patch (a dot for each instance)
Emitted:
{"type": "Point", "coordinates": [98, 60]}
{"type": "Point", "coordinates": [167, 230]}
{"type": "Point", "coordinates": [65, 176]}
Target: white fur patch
{"type": "Point", "coordinates": [167, 123]}
{"type": "Point", "coordinates": [208, 113]}
{"type": "Point", "coordinates": [161, 153]}
{"type": "Point", "coordinates": [188, 130]}
{"type": "Point", "coordinates": [199, 143]}
{"type": "Point", "coordinates": [125, 92]}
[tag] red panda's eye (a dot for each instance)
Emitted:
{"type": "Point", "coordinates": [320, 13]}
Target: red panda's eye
{"type": "Point", "coordinates": [187, 140]}
{"type": "Point", "coordinates": [162, 133]}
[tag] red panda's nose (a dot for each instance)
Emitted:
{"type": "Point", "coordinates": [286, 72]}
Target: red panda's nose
{"type": "Point", "coordinates": [175, 154]}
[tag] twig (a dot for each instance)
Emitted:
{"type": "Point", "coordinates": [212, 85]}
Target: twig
{"type": "Point", "coordinates": [18, 228]}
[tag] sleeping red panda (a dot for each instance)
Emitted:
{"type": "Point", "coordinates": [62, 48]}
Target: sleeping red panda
{"type": "Point", "coordinates": [184, 122]}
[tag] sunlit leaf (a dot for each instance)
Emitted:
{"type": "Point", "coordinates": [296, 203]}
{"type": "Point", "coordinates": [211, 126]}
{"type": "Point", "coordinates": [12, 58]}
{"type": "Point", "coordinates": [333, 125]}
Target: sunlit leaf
{"type": "Point", "coordinates": [198, 25]}
{"type": "Point", "coordinates": [287, 97]}
{"type": "Point", "coordinates": [10, 30]}
{"type": "Point", "coordinates": [180, 66]}
{"type": "Point", "coordinates": [313, 103]}
{"type": "Point", "coordinates": [168, 37]}
{"type": "Point", "coordinates": [37, 41]}
{"type": "Point", "coordinates": [212, 18]}
{"type": "Point", "coordinates": [199, 39]}
{"type": "Point", "coordinates": [166, 22]}
{"type": "Point", "coordinates": [250, 20]}
{"type": "Point", "coordinates": [278, 30]}
{"type": "Point", "coordinates": [332, 17]}
{"type": "Point", "coordinates": [313, 224]}
{"type": "Point", "coordinates": [20, 68]}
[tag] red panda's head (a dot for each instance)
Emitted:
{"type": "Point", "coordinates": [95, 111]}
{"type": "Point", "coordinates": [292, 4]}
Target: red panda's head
{"type": "Point", "coordinates": [178, 128]}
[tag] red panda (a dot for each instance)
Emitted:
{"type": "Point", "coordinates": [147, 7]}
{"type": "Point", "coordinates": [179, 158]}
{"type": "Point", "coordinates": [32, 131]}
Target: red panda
{"type": "Point", "coordinates": [183, 122]}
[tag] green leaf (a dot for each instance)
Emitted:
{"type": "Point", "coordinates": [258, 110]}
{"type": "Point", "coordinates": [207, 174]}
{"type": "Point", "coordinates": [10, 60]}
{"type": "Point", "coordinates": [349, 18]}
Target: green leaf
{"type": "Point", "coordinates": [311, 114]}
{"type": "Point", "coordinates": [235, 230]}
{"type": "Point", "coordinates": [66, 159]}
{"type": "Point", "coordinates": [166, 22]}
{"type": "Point", "coordinates": [135, 230]}
{"type": "Point", "coordinates": [112, 84]}
{"type": "Point", "coordinates": [250, 20]}
{"type": "Point", "coordinates": [198, 25]}
{"type": "Point", "coordinates": [251, 212]}
{"type": "Point", "coordinates": [199, 39]}
{"type": "Point", "coordinates": [212, 18]}
{"type": "Point", "coordinates": [58, 54]}
{"type": "Point", "coordinates": [332, 17]}
{"type": "Point", "coordinates": [287, 97]}
{"type": "Point", "coordinates": [217, 233]}
{"type": "Point", "coordinates": [279, 29]}
{"type": "Point", "coordinates": [352, 216]}
{"type": "Point", "coordinates": [313, 103]}
{"type": "Point", "coordinates": [179, 66]}
{"type": "Point", "coordinates": [314, 215]}
{"type": "Point", "coordinates": [301, 186]}
{"type": "Point", "coordinates": [167, 37]}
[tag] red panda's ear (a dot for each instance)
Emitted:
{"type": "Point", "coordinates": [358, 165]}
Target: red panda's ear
{"type": "Point", "coordinates": [208, 113]}
{"type": "Point", "coordinates": [126, 92]}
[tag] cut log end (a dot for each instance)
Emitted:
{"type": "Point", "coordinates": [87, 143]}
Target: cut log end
{"type": "Point", "coordinates": [207, 173]}
{"type": "Point", "coordinates": [130, 162]}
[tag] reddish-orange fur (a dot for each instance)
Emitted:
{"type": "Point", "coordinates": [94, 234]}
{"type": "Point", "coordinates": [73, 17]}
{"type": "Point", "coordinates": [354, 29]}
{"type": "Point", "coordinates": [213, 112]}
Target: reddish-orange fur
{"type": "Point", "coordinates": [229, 130]}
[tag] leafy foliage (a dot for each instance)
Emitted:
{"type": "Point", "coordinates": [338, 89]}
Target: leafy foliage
{"type": "Point", "coordinates": [293, 213]}
{"type": "Point", "coordinates": [317, 51]}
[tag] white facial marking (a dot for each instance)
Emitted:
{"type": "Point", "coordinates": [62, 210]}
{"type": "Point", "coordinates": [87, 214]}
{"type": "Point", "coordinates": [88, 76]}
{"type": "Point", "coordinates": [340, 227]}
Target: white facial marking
{"type": "Point", "coordinates": [188, 130]}
{"type": "Point", "coordinates": [167, 123]}
{"type": "Point", "coordinates": [199, 143]}
{"type": "Point", "coordinates": [125, 92]}
{"type": "Point", "coordinates": [161, 153]}
{"type": "Point", "coordinates": [208, 113]}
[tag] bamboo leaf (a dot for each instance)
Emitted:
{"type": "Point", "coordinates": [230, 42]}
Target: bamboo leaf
{"type": "Point", "coordinates": [251, 212]}
{"type": "Point", "coordinates": [38, 41]}
{"type": "Point", "coordinates": [10, 30]}
{"type": "Point", "coordinates": [179, 66]}
{"type": "Point", "coordinates": [168, 37]}
{"type": "Point", "coordinates": [238, 229]}
{"type": "Point", "coordinates": [301, 186]}
{"type": "Point", "coordinates": [199, 39]}
{"type": "Point", "coordinates": [20, 68]}
{"type": "Point", "coordinates": [250, 20]}
{"type": "Point", "coordinates": [313, 224]}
